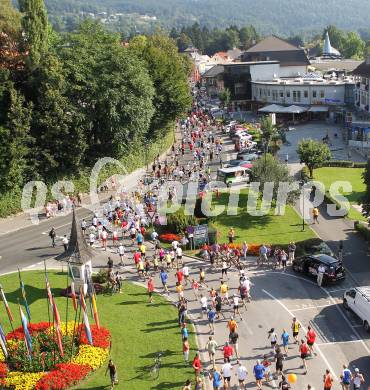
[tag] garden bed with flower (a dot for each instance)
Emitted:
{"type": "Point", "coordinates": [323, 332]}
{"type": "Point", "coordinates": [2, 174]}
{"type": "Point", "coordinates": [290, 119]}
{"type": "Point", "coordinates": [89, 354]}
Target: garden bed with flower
{"type": "Point", "coordinates": [46, 368]}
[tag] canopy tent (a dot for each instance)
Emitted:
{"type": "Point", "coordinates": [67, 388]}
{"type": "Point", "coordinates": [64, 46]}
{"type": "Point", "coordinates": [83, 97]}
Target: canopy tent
{"type": "Point", "coordinates": [272, 108]}
{"type": "Point", "coordinates": [294, 109]}
{"type": "Point", "coordinates": [318, 109]}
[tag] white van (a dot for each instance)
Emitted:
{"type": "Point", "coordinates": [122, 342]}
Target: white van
{"type": "Point", "coordinates": [357, 299]}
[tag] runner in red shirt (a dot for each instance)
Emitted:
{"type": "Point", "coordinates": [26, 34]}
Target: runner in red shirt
{"type": "Point", "coordinates": [179, 276]}
{"type": "Point", "coordinates": [228, 351]}
{"type": "Point", "coordinates": [150, 289]}
{"type": "Point", "coordinates": [197, 365]}
{"type": "Point", "coordinates": [311, 338]}
{"type": "Point", "coordinates": [303, 350]}
{"type": "Point", "coordinates": [137, 256]}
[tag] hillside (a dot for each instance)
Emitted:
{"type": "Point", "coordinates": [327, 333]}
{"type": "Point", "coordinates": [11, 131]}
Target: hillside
{"type": "Point", "coordinates": [269, 16]}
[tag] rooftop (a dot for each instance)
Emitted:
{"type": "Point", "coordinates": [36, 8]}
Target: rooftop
{"type": "Point", "coordinates": [363, 69]}
{"type": "Point", "coordinates": [307, 81]}
{"type": "Point", "coordinates": [272, 43]}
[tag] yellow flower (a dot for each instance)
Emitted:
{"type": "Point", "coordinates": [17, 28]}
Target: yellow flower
{"type": "Point", "coordinates": [2, 357]}
{"type": "Point", "coordinates": [10, 345]}
{"type": "Point", "coordinates": [22, 380]}
{"type": "Point", "coordinates": [66, 328]}
{"type": "Point", "coordinates": [91, 356]}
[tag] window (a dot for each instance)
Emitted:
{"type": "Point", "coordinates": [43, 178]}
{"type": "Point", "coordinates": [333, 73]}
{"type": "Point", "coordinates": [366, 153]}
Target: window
{"type": "Point", "coordinates": [239, 89]}
{"type": "Point", "coordinates": [281, 93]}
{"type": "Point", "coordinates": [314, 94]}
{"type": "Point", "coordinates": [322, 94]}
{"type": "Point", "coordinates": [306, 94]}
{"type": "Point", "coordinates": [274, 95]}
{"type": "Point", "coordinates": [260, 92]}
{"type": "Point", "coordinates": [296, 96]}
{"type": "Point", "coordinates": [268, 93]}
{"type": "Point", "coordinates": [288, 94]}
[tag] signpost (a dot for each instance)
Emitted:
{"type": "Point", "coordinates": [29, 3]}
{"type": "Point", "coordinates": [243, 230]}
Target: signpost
{"type": "Point", "coordinates": [200, 235]}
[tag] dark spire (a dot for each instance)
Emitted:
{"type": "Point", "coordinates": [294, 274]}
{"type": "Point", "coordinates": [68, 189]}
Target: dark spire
{"type": "Point", "coordinates": [78, 252]}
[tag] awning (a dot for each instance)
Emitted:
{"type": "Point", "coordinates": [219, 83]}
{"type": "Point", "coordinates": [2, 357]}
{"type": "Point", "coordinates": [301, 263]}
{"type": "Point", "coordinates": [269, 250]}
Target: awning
{"type": "Point", "coordinates": [294, 109]}
{"type": "Point", "coordinates": [272, 108]}
{"type": "Point", "coordinates": [318, 109]}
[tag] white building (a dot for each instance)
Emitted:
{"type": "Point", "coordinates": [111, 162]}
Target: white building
{"type": "Point", "coordinates": [362, 86]}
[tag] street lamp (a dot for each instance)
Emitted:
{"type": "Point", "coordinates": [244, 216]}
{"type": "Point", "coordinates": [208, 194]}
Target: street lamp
{"type": "Point", "coordinates": [302, 185]}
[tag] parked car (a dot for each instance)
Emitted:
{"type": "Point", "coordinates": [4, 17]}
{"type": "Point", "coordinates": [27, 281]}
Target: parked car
{"type": "Point", "coordinates": [357, 299]}
{"type": "Point", "coordinates": [309, 265]}
{"type": "Point", "coordinates": [247, 156]}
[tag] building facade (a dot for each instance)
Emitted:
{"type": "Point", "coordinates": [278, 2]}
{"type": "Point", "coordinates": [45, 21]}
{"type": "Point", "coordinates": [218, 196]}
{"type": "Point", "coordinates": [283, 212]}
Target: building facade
{"type": "Point", "coordinates": [362, 86]}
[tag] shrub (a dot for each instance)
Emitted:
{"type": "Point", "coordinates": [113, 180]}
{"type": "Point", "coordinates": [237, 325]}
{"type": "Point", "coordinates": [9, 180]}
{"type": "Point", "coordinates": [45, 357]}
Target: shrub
{"type": "Point", "coordinates": [177, 222]}
{"type": "Point", "coordinates": [101, 277]}
{"type": "Point", "coordinates": [305, 174]}
{"type": "Point", "coordinates": [344, 164]}
{"type": "Point", "coordinates": [363, 230]}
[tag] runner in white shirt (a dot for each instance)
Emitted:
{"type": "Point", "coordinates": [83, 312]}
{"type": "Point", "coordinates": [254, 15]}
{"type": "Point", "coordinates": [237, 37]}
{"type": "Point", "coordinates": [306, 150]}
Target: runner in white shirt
{"type": "Point", "coordinates": [92, 239]}
{"type": "Point", "coordinates": [175, 244]}
{"type": "Point", "coordinates": [185, 272]}
{"type": "Point", "coordinates": [241, 373]}
{"type": "Point", "coordinates": [236, 306]}
{"type": "Point", "coordinates": [204, 304]}
{"type": "Point", "coordinates": [179, 255]}
{"type": "Point", "coordinates": [226, 373]}
{"type": "Point", "coordinates": [121, 252]}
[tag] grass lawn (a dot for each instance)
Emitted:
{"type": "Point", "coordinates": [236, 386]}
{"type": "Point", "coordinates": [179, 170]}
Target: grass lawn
{"type": "Point", "coordinates": [329, 175]}
{"type": "Point", "coordinates": [139, 331]}
{"type": "Point", "coordinates": [268, 229]}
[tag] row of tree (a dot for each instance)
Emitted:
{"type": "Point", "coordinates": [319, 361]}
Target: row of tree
{"type": "Point", "coordinates": [67, 100]}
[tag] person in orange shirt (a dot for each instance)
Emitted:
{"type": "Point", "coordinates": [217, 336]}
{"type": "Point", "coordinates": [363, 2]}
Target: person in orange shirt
{"type": "Point", "coordinates": [150, 289]}
{"type": "Point", "coordinates": [328, 380]}
{"type": "Point", "coordinates": [185, 349]}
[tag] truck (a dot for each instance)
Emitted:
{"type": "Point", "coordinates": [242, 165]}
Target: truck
{"type": "Point", "coordinates": [357, 299]}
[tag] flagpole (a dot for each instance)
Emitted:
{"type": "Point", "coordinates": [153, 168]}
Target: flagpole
{"type": "Point", "coordinates": [55, 338]}
{"type": "Point", "coordinates": [23, 290]}
{"type": "Point", "coordinates": [7, 309]}
{"type": "Point", "coordinates": [47, 297]}
{"type": "Point", "coordinates": [74, 329]}
{"type": "Point", "coordinates": [67, 294]}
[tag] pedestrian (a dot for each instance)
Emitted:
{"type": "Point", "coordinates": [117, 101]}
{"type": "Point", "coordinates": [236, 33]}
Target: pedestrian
{"type": "Point", "coordinates": [244, 250]}
{"type": "Point", "coordinates": [228, 351]}
{"type": "Point", "coordinates": [285, 341]}
{"type": "Point", "coordinates": [315, 215]}
{"type": "Point", "coordinates": [271, 334]}
{"type": "Point", "coordinates": [187, 385]}
{"type": "Point", "coordinates": [184, 331]}
{"type": "Point", "coordinates": [197, 365]}
{"type": "Point", "coordinates": [224, 269]}
{"type": "Point", "coordinates": [202, 278]}
{"type": "Point", "coordinates": [195, 287]}
{"type": "Point", "coordinates": [328, 380]}
{"type": "Point", "coordinates": [233, 339]}
{"type": "Point", "coordinates": [266, 364]}
{"type": "Point", "coordinates": [185, 272]}
{"type": "Point", "coordinates": [211, 315]}
{"type": "Point", "coordinates": [224, 290]}
{"type": "Point", "coordinates": [262, 255]}
{"type": "Point", "coordinates": [218, 305]}
{"type": "Point", "coordinates": [112, 373]}
{"type": "Point", "coordinates": [203, 304]}
{"type": "Point", "coordinates": [236, 306]}
{"type": "Point", "coordinates": [358, 379]}
{"type": "Point", "coordinates": [226, 373]}
{"type": "Point", "coordinates": [284, 384]}
{"type": "Point", "coordinates": [150, 289]}
{"type": "Point", "coordinates": [186, 349]}
{"type": "Point", "coordinates": [52, 235]}
{"type": "Point", "coordinates": [346, 377]}
{"type": "Point", "coordinates": [291, 251]}
{"type": "Point", "coordinates": [311, 338]}
{"type": "Point", "coordinates": [164, 277]}
{"type": "Point", "coordinates": [121, 252]}
{"type": "Point", "coordinates": [211, 347]}
{"type": "Point", "coordinates": [283, 258]}
{"type": "Point", "coordinates": [216, 379]}
{"type": "Point", "coordinates": [241, 373]}
{"type": "Point", "coordinates": [303, 350]}
{"type": "Point", "coordinates": [65, 242]}
{"type": "Point", "coordinates": [296, 326]}
{"type": "Point", "coordinates": [232, 325]}
{"type": "Point", "coordinates": [320, 274]}
{"type": "Point", "coordinates": [259, 374]}
{"type": "Point", "coordinates": [279, 359]}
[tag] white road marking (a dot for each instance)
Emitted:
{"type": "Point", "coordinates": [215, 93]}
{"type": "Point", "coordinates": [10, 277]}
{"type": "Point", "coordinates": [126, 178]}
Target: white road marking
{"type": "Point", "coordinates": [338, 342]}
{"type": "Point", "coordinates": [305, 330]}
{"type": "Point", "coordinates": [311, 307]}
{"type": "Point", "coordinates": [337, 290]}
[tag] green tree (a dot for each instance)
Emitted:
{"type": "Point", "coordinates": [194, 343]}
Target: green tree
{"type": "Point", "coordinates": [353, 46]}
{"type": "Point", "coordinates": [366, 198]}
{"type": "Point", "coordinates": [168, 72]}
{"type": "Point", "coordinates": [35, 28]}
{"type": "Point", "coordinates": [248, 35]}
{"type": "Point", "coordinates": [313, 153]}
{"type": "Point", "coordinates": [270, 135]}
{"type": "Point", "coordinates": [183, 42]}
{"type": "Point", "coordinates": [10, 18]}
{"type": "Point", "coordinates": [225, 97]}
{"type": "Point", "coordinates": [57, 124]}
{"type": "Point", "coordinates": [15, 137]}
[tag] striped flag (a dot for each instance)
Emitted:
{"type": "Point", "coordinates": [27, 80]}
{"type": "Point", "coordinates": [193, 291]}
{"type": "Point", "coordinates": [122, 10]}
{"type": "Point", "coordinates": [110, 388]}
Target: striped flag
{"type": "Point", "coordinates": [27, 336]}
{"type": "Point", "coordinates": [3, 297]}
{"type": "Point", "coordinates": [48, 291]}
{"type": "Point", "coordinates": [73, 294]}
{"type": "Point", "coordinates": [85, 317]}
{"type": "Point", "coordinates": [24, 296]}
{"type": "Point", "coordinates": [3, 342]}
{"type": "Point", "coordinates": [95, 310]}
{"type": "Point", "coordinates": [57, 327]}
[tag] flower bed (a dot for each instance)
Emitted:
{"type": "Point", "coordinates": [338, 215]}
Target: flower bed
{"type": "Point", "coordinates": [169, 237]}
{"type": "Point", "coordinates": [48, 370]}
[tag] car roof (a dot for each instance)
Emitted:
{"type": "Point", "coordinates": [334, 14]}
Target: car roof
{"type": "Point", "coordinates": [231, 169]}
{"type": "Point", "coordinates": [325, 258]}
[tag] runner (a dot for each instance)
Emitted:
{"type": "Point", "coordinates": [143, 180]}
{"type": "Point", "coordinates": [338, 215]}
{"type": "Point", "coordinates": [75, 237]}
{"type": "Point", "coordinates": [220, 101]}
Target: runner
{"type": "Point", "coordinates": [241, 373]}
{"type": "Point", "coordinates": [202, 278]}
{"type": "Point", "coordinates": [226, 373]}
{"type": "Point", "coordinates": [266, 364]}
{"type": "Point", "coordinates": [311, 338]}
{"type": "Point", "coordinates": [303, 350]}
{"type": "Point", "coordinates": [284, 384]}
{"type": "Point", "coordinates": [271, 334]}
{"type": "Point", "coordinates": [203, 304]}
{"type": "Point", "coordinates": [358, 379]}
{"type": "Point", "coordinates": [279, 359]}
{"type": "Point", "coordinates": [228, 351]}
{"type": "Point", "coordinates": [150, 289]}
{"type": "Point", "coordinates": [185, 272]}
{"type": "Point", "coordinates": [216, 379]}
{"type": "Point", "coordinates": [328, 380]}
{"type": "Point", "coordinates": [236, 306]}
{"type": "Point", "coordinates": [211, 347]}
{"type": "Point", "coordinates": [211, 314]}
{"type": "Point", "coordinates": [218, 303]}
{"type": "Point", "coordinates": [296, 326]}
{"type": "Point", "coordinates": [346, 377]}
{"type": "Point", "coordinates": [185, 350]}
{"type": "Point", "coordinates": [121, 252]}
{"type": "Point", "coordinates": [285, 341]}
{"type": "Point", "coordinates": [259, 374]}
{"type": "Point", "coordinates": [164, 277]}
{"type": "Point", "coordinates": [197, 365]}
{"type": "Point", "coordinates": [224, 292]}
{"type": "Point", "coordinates": [195, 287]}
{"type": "Point", "coordinates": [233, 339]}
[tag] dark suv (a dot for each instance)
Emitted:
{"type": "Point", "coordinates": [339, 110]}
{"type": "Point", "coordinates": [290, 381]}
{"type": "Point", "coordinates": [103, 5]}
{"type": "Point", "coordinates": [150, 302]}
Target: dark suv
{"type": "Point", "coordinates": [309, 265]}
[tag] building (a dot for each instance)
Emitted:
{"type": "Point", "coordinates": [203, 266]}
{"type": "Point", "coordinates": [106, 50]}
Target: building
{"type": "Point", "coordinates": [308, 90]}
{"type": "Point", "coordinates": [362, 86]}
{"type": "Point", "coordinates": [328, 50]}
{"type": "Point", "coordinates": [293, 60]}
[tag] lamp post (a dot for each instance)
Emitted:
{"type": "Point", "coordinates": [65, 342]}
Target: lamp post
{"type": "Point", "coordinates": [302, 185]}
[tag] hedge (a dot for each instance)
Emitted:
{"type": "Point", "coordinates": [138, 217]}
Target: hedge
{"type": "Point", "coordinates": [363, 230]}
{"type": "Point", "coordinates": [344, 164]}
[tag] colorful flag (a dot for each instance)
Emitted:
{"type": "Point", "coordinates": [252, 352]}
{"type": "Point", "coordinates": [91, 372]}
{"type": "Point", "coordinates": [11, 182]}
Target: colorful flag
{"type": "Point", "coordinates": [82, 299]}
{"type": "Point", "coordinates": [85, 317]}
{"type": "Point", "coordinates": [3, 297]}
{"type": "Point", "coordinates": [27, 336]}
{"type": "Point", "coordinates": [57, 327]}
{"type": "Point", "coordinates": [3, 342]}
{"type": "Point", "coordinates": [73, 294]}
{"type": "Point", "coordinates": [48, 291]}
{"type": "Point", "coordinates": [95, 310]}
{"type": "Point", "coordinates": [24, 296]}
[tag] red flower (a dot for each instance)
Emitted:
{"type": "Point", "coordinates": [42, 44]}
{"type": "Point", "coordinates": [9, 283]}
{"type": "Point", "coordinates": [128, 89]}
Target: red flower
{"type": "Point", "coordinates": [32, 328]}
{"type": "Point", "coordinates": [169, 237]}
{"type": "Point", "coordinates": [101, 337]}
{"type": "Point", "coordinates": [63, 377]}
{"type": "Point", "coordinates": [3, 371]}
